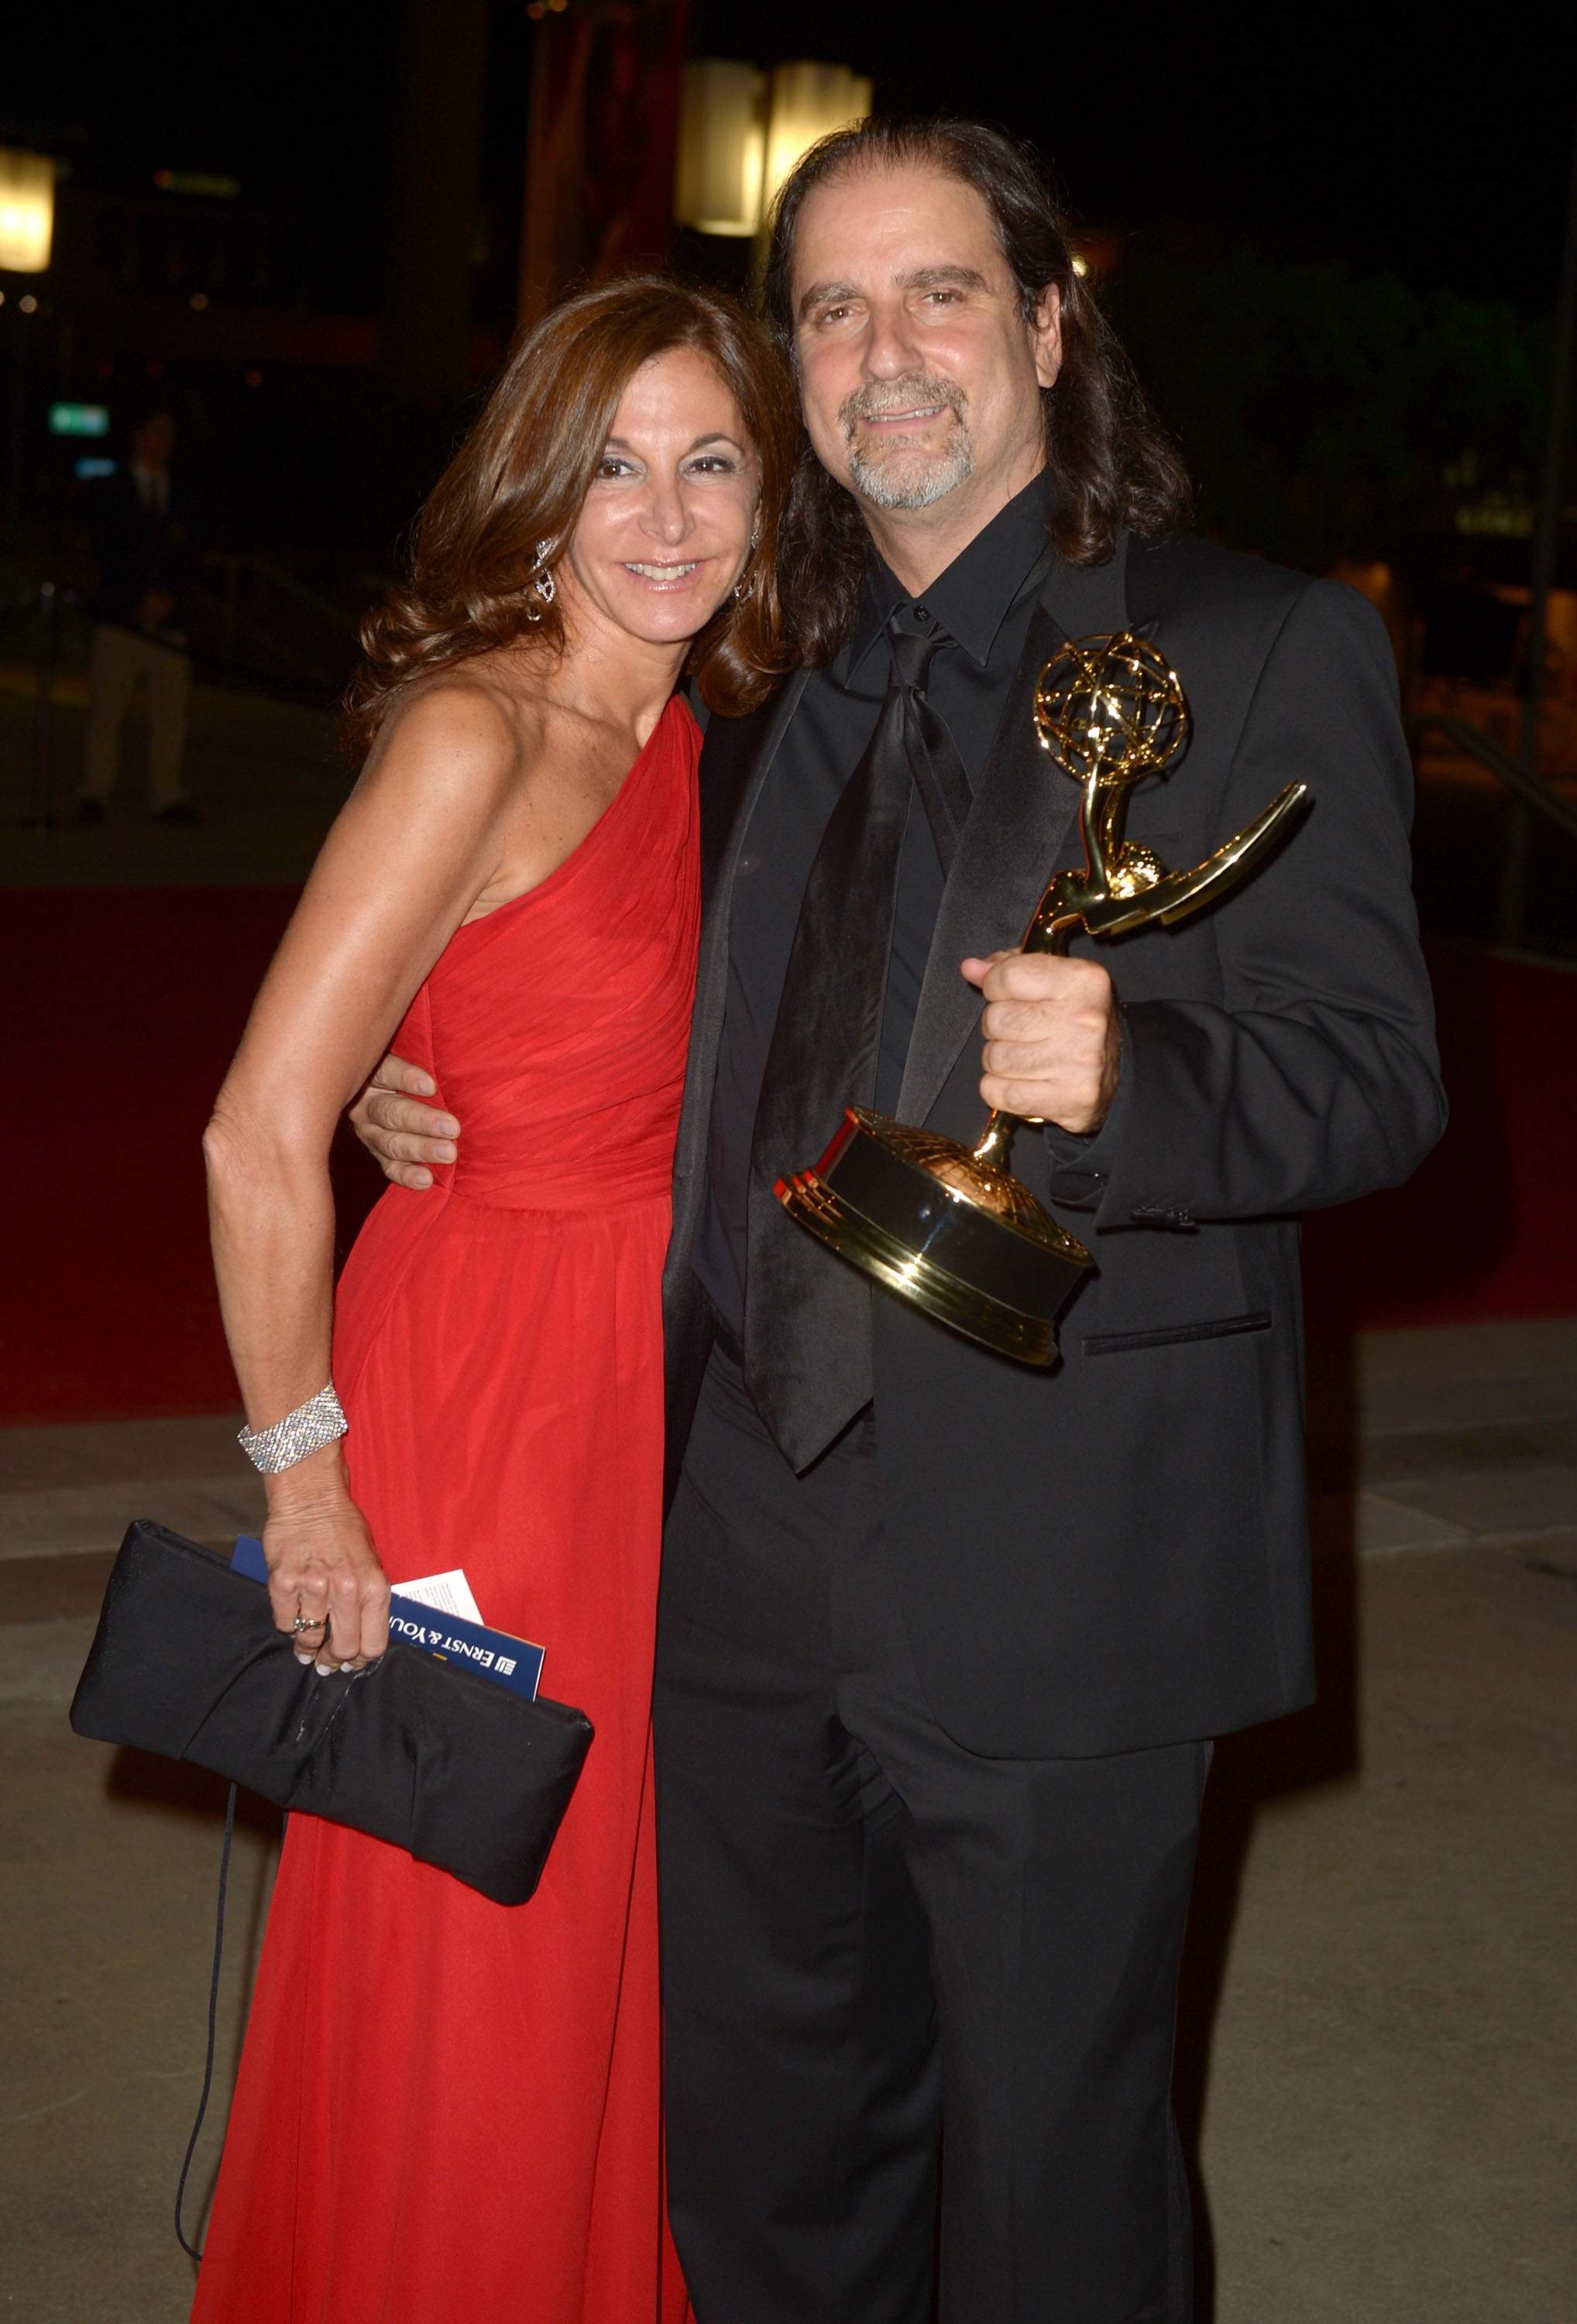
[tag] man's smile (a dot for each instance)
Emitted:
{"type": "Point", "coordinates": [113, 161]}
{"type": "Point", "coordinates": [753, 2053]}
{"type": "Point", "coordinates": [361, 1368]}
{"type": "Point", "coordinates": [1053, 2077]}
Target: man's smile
{"type": "Point", "coordinates": [899, 418]}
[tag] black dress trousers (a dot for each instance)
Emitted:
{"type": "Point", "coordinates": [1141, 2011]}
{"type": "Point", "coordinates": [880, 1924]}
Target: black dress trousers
{"type": "Point", "coordinates": [875, 1942]}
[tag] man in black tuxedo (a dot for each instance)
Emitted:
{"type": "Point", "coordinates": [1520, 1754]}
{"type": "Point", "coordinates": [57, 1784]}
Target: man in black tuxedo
{"type": "Point", "coordinates": [944, 1642]}
{"type": "Point", "coordinates": [145, 562]}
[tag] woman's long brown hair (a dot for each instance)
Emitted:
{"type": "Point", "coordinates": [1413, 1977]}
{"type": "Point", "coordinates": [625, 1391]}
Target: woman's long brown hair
{"type": "Point", "coordinates": [521, 478]}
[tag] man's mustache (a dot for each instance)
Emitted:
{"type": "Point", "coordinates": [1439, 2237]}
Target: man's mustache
{"type": "Point", "coordinates": [909, 393]}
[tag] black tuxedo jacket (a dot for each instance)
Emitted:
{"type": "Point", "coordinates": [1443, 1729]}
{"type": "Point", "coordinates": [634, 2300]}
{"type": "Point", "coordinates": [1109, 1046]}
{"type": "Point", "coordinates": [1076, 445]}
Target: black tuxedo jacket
{"type": "Point", "coordinates": [1114, 1553]}
{"type": "Point", "coordinates": [137, 551]}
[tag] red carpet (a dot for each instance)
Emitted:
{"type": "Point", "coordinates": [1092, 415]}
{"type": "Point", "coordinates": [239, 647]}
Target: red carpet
{"type": "Point", "coordinates": [1486, 1230]}
{"type": "Point", "coordinates": [126, 1004]}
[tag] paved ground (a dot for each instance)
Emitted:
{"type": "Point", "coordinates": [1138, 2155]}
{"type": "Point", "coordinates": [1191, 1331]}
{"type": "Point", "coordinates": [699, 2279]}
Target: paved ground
{"type": "Point", "coordinates": [1379, 1955]}
{"type": "Point", "coordinates": [265, 775]}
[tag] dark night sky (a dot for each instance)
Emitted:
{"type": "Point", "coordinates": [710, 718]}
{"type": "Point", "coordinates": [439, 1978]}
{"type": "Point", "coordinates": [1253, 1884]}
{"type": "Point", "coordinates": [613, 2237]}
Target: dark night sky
{"type": "Point", "coordinates": [1430, 143]}
{"type": "Point", "coordinates": [1351, 133]}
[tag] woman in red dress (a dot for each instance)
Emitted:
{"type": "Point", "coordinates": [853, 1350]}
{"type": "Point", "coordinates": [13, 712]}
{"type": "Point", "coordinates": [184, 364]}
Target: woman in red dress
{"type": "Point", "coordinates": [449, 2111]}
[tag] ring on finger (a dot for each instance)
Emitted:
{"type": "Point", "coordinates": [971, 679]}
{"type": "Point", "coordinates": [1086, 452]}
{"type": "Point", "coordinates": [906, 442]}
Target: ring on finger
{"type": "Point", "coordinates": [310, 1622]}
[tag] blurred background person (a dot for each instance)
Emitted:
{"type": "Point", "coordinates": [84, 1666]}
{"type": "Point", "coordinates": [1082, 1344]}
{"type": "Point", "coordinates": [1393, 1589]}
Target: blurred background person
{"type": "Point", "coordinates": [145, 565]}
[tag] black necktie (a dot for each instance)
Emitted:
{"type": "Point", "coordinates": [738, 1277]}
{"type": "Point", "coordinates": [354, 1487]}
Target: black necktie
{"type": "Point", "coordinates": [933, 754]}
{"type": "Point", "coordinates": [807, 1317]}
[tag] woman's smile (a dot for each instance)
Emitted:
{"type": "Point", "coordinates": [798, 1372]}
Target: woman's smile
{"type": "Point", "coordinates": [670, 575]}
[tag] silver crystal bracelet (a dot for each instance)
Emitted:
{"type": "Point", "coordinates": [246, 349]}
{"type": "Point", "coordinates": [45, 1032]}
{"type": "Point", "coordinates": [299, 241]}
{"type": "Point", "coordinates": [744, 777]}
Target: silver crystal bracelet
{"type": "Point", "coordinates": [307, 1430]}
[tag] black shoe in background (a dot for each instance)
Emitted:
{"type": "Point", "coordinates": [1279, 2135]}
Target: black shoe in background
{"type": "Point", "coordinates": [91, 810]}
{"type": "Point", "coordinates": [178, 811]}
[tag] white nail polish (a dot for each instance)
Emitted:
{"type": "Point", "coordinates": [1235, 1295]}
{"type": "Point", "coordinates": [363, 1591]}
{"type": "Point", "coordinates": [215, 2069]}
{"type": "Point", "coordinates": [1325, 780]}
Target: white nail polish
{"type": "Point", "coordinates": [324, 1670]}
{"type": "Point", "coordinates": [344, 1666]}
{"type": "Point", "coordinates": [305, 1661]}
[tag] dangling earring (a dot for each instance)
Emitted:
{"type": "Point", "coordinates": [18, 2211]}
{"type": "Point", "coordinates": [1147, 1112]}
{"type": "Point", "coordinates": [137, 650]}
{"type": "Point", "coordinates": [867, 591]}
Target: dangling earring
{"type": "Point", "coordinates": [747, 580]}
{"type": "Point", "coordinates": [543, 587]}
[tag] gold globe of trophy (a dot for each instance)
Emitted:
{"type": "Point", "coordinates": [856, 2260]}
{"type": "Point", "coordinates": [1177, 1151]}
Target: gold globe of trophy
{"type": "Point", "coordinates": [947, 1226]}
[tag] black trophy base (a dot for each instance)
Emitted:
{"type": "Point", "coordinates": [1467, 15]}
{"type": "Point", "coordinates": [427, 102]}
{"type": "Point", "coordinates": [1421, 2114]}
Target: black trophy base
{"type": "Point", "coordinates": [964, 1244]}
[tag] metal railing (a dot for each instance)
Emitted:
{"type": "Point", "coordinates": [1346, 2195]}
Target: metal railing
{"type": "Point", "coordinates": [240, 643]}
{"type": "Point", "coordinates": [268, 652]}
{"type": "Point", "coordinates": [1529, 797]}
{"type": "Point", "coordinates": [1521, 782]}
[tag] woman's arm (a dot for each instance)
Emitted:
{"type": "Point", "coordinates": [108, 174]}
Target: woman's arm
{"type": "Point", "coordinates": [419, 841]}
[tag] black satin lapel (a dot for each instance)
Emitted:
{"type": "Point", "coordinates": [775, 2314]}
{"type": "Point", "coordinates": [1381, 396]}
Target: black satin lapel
{"type": "Point", "coordinates": [1021, 816]}
{"type": "Point", "coordinates": [734, 760]}
{"type": "Point", "coordinates": [1004, 858]}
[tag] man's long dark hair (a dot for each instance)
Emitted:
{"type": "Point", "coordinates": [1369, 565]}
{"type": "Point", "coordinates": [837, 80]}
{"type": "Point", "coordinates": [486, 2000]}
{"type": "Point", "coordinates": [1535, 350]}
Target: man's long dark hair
{"type": "Point", "coordinates": [1107, 460]}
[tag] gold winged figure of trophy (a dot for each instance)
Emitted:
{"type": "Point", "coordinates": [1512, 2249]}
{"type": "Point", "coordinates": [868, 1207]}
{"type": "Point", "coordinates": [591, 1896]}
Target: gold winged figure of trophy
{"type": "Point", "coordinates": [947, 1226]}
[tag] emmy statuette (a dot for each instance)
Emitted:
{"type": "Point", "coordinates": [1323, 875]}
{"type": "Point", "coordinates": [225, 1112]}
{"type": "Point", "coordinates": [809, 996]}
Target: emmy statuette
{"type": "Point", "coordinates": [947, 1226]}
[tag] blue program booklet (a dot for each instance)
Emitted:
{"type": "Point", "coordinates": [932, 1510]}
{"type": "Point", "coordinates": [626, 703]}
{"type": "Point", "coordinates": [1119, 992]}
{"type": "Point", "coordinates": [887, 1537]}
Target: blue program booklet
{"type": "Point", "coordinates": [514, 1662]}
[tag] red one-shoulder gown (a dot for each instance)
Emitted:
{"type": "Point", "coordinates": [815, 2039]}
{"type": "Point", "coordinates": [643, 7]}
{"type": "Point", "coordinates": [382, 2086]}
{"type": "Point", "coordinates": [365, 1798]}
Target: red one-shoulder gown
{"type": "Point", "coordinates": [449, 2110]}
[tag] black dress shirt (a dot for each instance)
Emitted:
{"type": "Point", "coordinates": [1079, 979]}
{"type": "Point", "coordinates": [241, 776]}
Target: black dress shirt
{"type": "Point", "coordinates": [984, 601]}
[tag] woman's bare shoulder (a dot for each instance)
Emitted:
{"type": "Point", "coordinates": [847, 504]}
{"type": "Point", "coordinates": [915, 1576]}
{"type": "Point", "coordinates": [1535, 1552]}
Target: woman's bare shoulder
{"type": "Point", "coordinates": [467, 711]}
{"type": "Point", "coordinates": [466, 730]}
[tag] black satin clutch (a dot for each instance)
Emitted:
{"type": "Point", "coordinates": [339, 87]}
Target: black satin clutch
{"type": "Point", "coordinates": [430, 1757]}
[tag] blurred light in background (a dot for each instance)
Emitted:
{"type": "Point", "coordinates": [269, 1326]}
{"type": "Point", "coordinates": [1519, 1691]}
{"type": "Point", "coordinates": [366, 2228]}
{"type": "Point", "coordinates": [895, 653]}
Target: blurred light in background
{"type": "Point", "coordinates": [78, 419]}
{"type": "Point", "coordinates": [808, 102]}
{"type": "Point", "coordinates": [739, 135]}
{"type": "Point", "coordinates": [201, 182]}
{"type": "Point", "coordinates": [27, 210]}
{"type": "Point", "coordinates": [722, 152]}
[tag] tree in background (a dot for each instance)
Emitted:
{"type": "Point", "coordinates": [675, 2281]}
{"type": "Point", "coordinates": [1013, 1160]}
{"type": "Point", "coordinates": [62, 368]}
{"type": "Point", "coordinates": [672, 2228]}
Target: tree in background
{"type": "Point", "coordinates": [1326, 414]}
